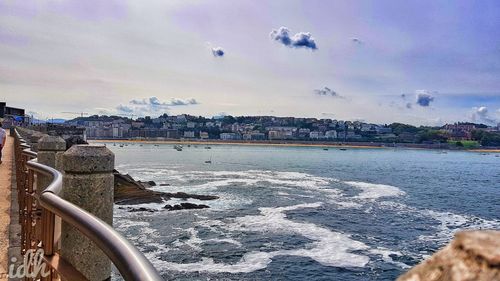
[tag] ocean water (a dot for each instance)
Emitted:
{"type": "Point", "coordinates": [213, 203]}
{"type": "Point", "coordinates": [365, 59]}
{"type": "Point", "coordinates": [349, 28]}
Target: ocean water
{"type": "Point", "coordinates": [302, 213]}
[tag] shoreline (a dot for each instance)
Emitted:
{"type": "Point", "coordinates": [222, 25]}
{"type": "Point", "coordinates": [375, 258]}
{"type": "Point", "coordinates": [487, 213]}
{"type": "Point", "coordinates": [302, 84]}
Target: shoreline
{"type": "Point", "coordinates": [194, 142]}
{"type": "Point", "coordinates": [291, 144]}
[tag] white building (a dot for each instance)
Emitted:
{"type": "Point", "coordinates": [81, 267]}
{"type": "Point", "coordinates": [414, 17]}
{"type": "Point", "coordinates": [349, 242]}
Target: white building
{"type": "Point", "coordinates": [189, 134]}
{"type": "Point", "coordinates": [316, 135]}
{"type": "Point", "coordinates": [332, 134]}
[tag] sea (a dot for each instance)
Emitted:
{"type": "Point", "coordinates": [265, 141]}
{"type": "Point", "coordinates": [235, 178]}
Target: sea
{"type": "Point", "coordinates": [305, 213]}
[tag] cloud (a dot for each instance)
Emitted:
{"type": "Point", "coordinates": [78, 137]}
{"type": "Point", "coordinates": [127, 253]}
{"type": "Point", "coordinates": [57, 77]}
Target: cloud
{"type": "Point", "coordinates": [424, 98]}
{"type": "Point", "coordinates": [174, 102]}
{"type": "Point", "coordinates": [327, 92]}
{"type": "Point", "coordinates": [481, 114]}
{"type": "Point", "coordinates": [299, 40]}
{"type": "Point", "coordinates": [482, 111]}
{"type": "Point", "coordinates": [357, 41]}
{"type": "Point", "coordinates": [218, 52]}
{"type": "Point", "coordinates": [153, 105]}
{"type": "Point", "coordinates": [138, 102]}
{"type": "Point", "coordinates": [124, 109]}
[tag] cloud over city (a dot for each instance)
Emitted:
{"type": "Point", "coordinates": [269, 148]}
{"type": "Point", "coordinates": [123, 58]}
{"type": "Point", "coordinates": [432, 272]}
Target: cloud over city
{"type": "Point", "coordinates": [153, 105]}
{"type": "Point", "coordinates": [357, 41]}
{"type": "Point", "coordinates": [424, 98]}
{"type": "Point", "coordinates": [482, 114]}
{"type": "Point", "coordinates": [325, 91]}
{"type": "Point", "coordinates": [299, 40]}
{"type": "Point", "coordinates": [218, 52]}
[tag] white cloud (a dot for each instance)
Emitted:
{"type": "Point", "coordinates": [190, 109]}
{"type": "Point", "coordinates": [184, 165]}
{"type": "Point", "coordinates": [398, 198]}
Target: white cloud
{"type": "Point", "coordinates": [153, 105]}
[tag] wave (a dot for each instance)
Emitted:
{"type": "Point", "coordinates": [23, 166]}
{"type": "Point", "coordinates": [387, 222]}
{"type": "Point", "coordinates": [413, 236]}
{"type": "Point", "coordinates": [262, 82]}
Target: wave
{"type": "Point", "coordinates": [448, 223]}
{"type": "Point", "coordinates": [375, 191]}
{"type": "Point", "coordinates": [329, 248]}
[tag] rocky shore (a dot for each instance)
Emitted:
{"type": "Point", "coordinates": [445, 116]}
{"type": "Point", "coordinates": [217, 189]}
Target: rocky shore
{"type": "Point", "coordinates": [129, 191]}
{"type": "Point", "coordinates": [472, 255]}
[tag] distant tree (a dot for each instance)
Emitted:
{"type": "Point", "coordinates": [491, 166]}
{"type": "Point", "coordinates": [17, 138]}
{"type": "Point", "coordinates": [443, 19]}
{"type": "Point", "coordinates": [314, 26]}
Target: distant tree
{"type": "Point", "coordinates": [399, 128]}
{"type": "Point", "coordinates": [490, 139]}
{"type": "Point", "coordinates": [432, 135]}
{"type": "Point", "coordinates": [459, 144]}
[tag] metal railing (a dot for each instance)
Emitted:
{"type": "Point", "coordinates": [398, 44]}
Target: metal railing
{"type": "Point", "coordinates": [37, 216]}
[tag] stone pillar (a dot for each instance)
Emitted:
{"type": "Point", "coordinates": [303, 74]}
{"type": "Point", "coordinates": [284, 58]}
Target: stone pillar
{"type": "Point", "coordinates": [88, 183]}
{"type": "Point", "coordinates": [34, 138]}
{"type": "Point", "coordinates": [50, 151]}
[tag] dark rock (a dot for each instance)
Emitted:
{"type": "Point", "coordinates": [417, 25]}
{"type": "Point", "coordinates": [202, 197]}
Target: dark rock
{"type": "Point", "coordinates": [142, 209]}
{"type": "Point", "coordinates": [185, 206]}
{"type": "Point", "coordinates": [130, 192]}
{"type": "Point", "coordinates": [184, 195]}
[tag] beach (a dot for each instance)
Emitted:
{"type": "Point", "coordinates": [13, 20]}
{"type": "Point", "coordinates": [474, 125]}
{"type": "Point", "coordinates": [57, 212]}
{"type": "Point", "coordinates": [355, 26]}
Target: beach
{"type": "Point", "coordinates": [295, 144]}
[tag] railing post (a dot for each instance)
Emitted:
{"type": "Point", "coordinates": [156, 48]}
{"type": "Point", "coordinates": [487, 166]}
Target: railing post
{"type": "Point", "coordinates": [88, 183]}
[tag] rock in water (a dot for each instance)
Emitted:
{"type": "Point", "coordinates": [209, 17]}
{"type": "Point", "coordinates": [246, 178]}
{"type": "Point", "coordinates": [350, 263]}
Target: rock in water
{"type": "Point", "coordinates": [185, 206]}
{"type": "Point", "coordinates": [472, 255]}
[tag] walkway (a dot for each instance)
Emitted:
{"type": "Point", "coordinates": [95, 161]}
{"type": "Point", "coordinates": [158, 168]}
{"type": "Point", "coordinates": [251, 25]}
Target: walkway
{"type": "Point", "coordinates": [5, 186]}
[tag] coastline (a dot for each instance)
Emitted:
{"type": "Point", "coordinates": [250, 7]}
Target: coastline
{"type": "Point", "coordinates": [194, 142]}
{"type": "Point", "coordinates": [293, 144]}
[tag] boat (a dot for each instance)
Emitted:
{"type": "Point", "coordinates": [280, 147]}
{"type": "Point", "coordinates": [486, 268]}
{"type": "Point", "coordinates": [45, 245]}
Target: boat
{"type": "Point", "coordinates": [208, 147]}
{"type": "Point", "coordinates": [121, 145]}
{"type": "Point", "coordinates": [209, 161]}
{"type": "Point", "coordinates": [325, 148]}
{"type": "Point", "coordinates": [178, 147]}
{"type": "Point", "coordinates": [343, 149]}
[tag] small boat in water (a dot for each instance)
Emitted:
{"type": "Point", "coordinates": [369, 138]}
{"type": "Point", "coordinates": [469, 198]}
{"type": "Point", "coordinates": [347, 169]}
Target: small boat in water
{"type": "Point", "coordinates": [208, 147]}
{"type": "Point", "coordinates": [325, 148]}
{"type": "Point", "coordinates": [209, 161]}
{"type": "Point", "coordinates": [121, 145]}
{"type": "Point", "coordinates": [178, 147]}
{"type": "Point", "coordinates": [343, 149]}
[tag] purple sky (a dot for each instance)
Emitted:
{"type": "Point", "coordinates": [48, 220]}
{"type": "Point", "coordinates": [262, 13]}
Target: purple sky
{"type": "Point", "coordinates": [420, 62]}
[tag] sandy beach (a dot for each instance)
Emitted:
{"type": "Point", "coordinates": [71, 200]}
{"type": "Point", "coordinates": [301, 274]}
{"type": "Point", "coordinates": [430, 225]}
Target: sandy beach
{"type": "Point", "coordinates": [287, 144]}
{"type": "Point", "coordinates": [194, 142]}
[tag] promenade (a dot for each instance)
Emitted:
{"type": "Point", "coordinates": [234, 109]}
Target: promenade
{"type": "Point", "coordinates": [5, 187]}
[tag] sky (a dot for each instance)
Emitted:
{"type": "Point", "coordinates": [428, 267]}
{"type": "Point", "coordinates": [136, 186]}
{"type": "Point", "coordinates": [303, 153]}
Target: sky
{"type": "Point", "coordinates": [417, 62]}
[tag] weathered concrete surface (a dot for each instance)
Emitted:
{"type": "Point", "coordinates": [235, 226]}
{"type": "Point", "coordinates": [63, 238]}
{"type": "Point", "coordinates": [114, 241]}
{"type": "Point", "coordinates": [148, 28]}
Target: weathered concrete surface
{"type": "Point", "coordinates": [472, 255]}
{"type": "Point", "coordinates": [88, 183]}
{"type": "Point", "coordinates": [50, 151]}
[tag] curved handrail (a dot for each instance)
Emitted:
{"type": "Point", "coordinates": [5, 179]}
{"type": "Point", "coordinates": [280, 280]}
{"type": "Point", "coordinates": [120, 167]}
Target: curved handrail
{"type": "Point", "coordinates": [131, 263]}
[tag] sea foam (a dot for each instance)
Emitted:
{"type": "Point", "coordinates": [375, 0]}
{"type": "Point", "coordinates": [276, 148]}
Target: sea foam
{"type": "Point", "coordinates": [374, 191]}
{"type": "Point", "coordinates": [329, 248]}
